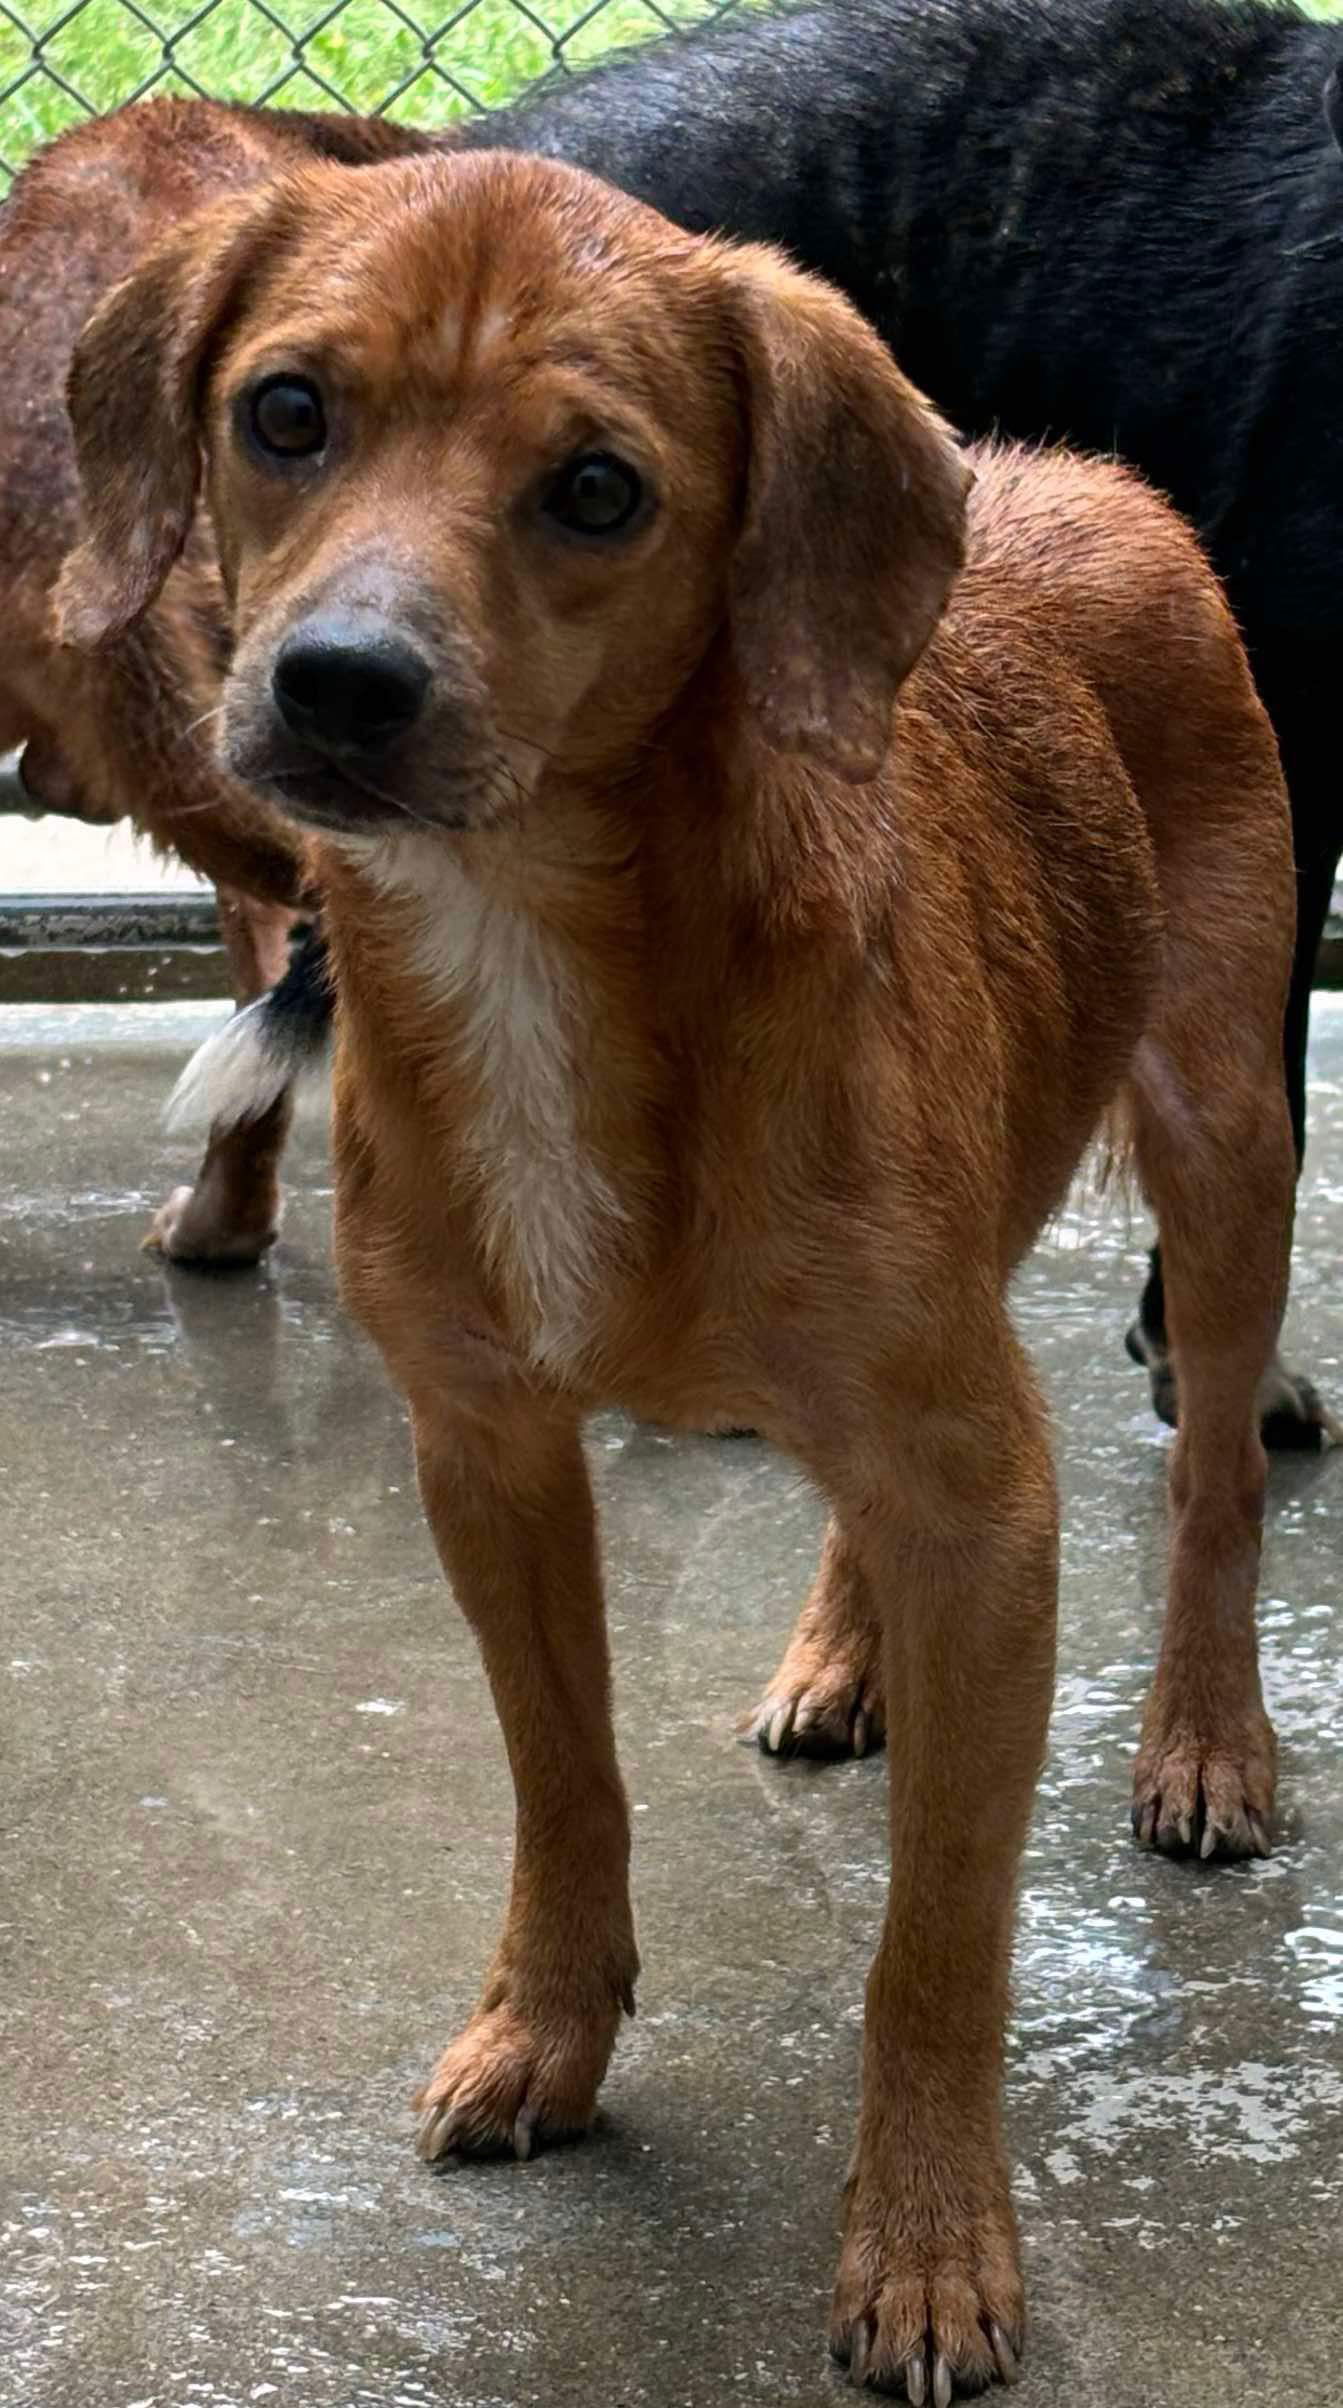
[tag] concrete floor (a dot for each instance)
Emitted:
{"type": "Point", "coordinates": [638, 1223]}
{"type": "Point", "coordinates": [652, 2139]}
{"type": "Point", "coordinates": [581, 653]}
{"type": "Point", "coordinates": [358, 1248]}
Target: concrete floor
{"type": "Point", "coordinates": [256, 1826]}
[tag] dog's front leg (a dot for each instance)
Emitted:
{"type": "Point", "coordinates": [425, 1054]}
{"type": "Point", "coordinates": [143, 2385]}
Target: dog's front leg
{"type": "Point", "coordinates": [508, 1499]}
{"type": "Point", "coordinates": [960, 1543]}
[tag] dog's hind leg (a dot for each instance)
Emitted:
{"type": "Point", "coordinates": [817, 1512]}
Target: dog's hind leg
{"type": "Point", "coordinates": [1293, 1419]}
{"type": "Point", "coordinates": [1214, 1150]}
{"type": "Point", "coordinates": [232, 1212]}
{"type": "Point", "coordinates": [1213, 1143]}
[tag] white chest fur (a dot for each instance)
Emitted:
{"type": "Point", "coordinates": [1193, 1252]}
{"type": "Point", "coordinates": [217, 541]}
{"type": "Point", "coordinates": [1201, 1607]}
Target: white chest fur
{"type": "Point", "coordinates": [547, 1211]}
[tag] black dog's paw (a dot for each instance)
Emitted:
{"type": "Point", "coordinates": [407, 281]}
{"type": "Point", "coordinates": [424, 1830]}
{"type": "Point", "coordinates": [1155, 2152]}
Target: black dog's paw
{"type": "Point", "coordinates": [1293, 1417]}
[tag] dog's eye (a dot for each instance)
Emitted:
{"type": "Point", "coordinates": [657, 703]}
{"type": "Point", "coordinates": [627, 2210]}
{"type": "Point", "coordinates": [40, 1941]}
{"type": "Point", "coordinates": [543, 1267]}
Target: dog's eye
{"type": "Point", "coordinates": [594, 494]}
{"type": "Point", "coordinates": [287, 417]}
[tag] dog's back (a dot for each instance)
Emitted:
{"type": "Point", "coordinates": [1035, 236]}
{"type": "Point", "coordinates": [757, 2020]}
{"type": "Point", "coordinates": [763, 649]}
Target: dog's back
{"type": "Point", "coordinates": [1116, 797]}
{"type": "Point", "coordinates": [1079, 555]}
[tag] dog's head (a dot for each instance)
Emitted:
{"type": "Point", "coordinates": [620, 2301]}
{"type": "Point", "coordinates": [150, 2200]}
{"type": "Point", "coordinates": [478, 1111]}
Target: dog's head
{"type": "Point", "coordinates": [494, 457]}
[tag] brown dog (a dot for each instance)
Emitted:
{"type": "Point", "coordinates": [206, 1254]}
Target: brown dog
{"type": "Point", "coordinates": [732, 964]}
{"type": "Point", "coordinates": [127, 734]}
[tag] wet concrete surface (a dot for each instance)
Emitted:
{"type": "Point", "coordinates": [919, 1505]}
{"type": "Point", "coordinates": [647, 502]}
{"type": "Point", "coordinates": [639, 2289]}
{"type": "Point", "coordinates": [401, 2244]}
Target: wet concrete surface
{"type": "Point", "coordinates": [256, 1829]}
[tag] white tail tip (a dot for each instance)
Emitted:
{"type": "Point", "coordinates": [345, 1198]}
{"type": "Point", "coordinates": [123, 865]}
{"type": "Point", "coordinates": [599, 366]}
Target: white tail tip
{"type": "Point", "coordinates": [235, 1075]}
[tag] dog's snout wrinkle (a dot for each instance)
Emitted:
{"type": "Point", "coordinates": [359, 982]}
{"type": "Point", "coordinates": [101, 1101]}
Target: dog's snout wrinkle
{"type": "Point", "coordinates": [349, 683]}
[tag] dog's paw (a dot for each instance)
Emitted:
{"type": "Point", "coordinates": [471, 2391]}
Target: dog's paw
{"type": "Point", "coordinates": [823, 1701]}
{"type": "Point", "coordinates": [513, 2081]}
{"type": "Point", "coordinates": [191, 1227]}
{"type": "Point", "coordinates": [1207, 1798]}
{"type": "Point", "coordinates": [1293, 1417]}
{"type": "Point", "coordinates": [928, 2300]}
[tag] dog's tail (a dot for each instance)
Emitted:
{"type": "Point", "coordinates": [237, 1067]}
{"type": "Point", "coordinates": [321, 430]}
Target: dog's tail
{"type": "Point", "coordinates": [262, 1051]}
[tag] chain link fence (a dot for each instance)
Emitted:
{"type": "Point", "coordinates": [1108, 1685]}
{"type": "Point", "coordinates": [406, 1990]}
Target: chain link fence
{"type": "Point", "coordinates": [62, 62]}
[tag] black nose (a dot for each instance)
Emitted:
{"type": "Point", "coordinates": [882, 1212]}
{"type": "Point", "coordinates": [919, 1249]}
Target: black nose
{"type": "Point", "coordinates": [349, 683]}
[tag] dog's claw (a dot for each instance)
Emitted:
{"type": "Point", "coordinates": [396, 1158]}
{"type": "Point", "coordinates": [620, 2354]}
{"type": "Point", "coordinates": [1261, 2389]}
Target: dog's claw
{"type": "Point", "coordinates": [935, 2389]}
{"type": "Point", "coordinates": [860, 1733]}
{"type": "Point", "coordinates": [778, 1730]}
{"type": "Point", "coordinates": [1218, 1825]}
{"type": "Point", "coordinates": [1144, 1825]}
{"type": "Point", "coordinates": [437, 2137]}
{"type": "Point", "coordinates": [1005, 2356]}
{"type": "Point", "coordinates": [524, 2128]}
{"type": "Point", "coordinates": [627, 2000]}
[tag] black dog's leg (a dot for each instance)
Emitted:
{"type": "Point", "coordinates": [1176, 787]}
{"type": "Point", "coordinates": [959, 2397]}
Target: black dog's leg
{"type": "Point", "coordinates": [1147, 1342]}
{"type": "Point", "coordinates": [1293, 1418]}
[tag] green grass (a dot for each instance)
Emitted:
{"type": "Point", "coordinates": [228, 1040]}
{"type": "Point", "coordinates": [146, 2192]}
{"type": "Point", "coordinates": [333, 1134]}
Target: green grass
{"type": "Point", "coordinates": [80, 56]}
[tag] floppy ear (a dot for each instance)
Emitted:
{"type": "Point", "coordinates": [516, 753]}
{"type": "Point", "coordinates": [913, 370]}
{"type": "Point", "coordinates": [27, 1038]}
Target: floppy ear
{"type": "Point", "coordinates": [854, 526]}
{"type": "Point", "coordinates": [132, 396]}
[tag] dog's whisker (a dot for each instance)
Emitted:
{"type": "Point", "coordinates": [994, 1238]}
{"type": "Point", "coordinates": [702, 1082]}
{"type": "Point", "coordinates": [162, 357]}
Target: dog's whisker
{"type": "Point", "coordinates": [359, 783]}
{"type": "Point", "coordinates": [511, 735]}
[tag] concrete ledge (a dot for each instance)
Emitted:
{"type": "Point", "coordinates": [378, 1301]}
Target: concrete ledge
{"type": "Point", "coordinates": [61, 922]}
{"type": "Point", "coordinates": [115, 974]}
{"type": "Point", "coordinates": [110, 949]}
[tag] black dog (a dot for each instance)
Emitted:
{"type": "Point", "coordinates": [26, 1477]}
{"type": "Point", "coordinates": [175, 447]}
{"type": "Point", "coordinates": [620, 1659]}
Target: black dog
{"type": "Point", "coordinates": [1116, 221]}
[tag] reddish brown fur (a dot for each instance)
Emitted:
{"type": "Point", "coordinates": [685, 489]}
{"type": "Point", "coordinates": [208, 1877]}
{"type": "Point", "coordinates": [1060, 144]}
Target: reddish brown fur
{"type": "Point", "coordinates": [840, 984]}
{"type": "Point", "coordinates": [125, 733]}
